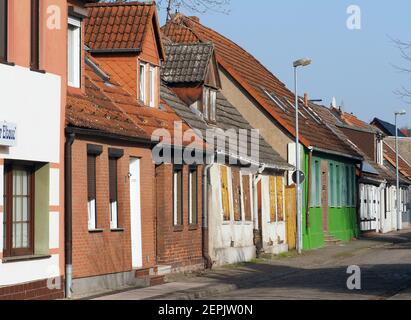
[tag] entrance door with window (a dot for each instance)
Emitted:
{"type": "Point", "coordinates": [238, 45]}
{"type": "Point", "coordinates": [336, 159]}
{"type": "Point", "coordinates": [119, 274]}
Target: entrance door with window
{"type": "Point", "coordinates": [19, 210]}
{"type": "Point", "coordinates": [324, 194]}
{"type": "Point", "coordinates": [135, 214]}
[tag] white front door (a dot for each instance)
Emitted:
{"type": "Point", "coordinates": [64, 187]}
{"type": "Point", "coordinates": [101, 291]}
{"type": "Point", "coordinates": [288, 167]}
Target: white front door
{"type": "Point", "coordinates": [135, 214]}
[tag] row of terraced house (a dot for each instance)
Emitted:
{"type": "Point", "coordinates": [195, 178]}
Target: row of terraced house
{"type": "Point", "coordinates": [129, 151]}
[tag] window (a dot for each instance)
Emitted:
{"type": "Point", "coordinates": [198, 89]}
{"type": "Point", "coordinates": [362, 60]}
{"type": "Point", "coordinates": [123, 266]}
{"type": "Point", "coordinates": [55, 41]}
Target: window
{"type": "Point", "coordinates": [113, 181]}
{"type": "Point", "coordinates": [193, 196]}
{"type": "Point", "coordinates": [19, 210]}
{"type": "Point", "coordinates": [380, 152]}
{"type": "Point", "coordinates": [280, 197]}
{"type": "Point", "coordinates": [142, 85]}
{"type": "Point", "coordinates": [316, 184]}
{"type": "Point", "coordinates": [247, 198]}
{"type": "Point", "coordinates": [178, 196]}
{"type": "Point", "coordinates": [337, 186]}
{"type": "Point", "coordinates": [353, 187]}
{"type": "Point", "coordinates": [224, 193]}
{"type": "Point", "coordinates": [3, 30]}
{"type": "Point", "coordinates": [74, 52]}
{"type": "Point", "coordinates": [331, 177]}
{"type": "Point", "coordinates": [209, 104]}
{"type": "Point", "coordinates": [91, 191]}
{"type": "Point", "coordinates": [273, 199]}
{"type": "Point", "coordinates": [152, 85]}
{"type": "Point", "coordinates": [35, 35]}
{"type": "Point", "coordinates": [235, 172]}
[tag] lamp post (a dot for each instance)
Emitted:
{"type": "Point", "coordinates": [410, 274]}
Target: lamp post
{"type": "Point", "coordinates": [299, 63]}
{"type": "Point", "coordinates": [398, 113]}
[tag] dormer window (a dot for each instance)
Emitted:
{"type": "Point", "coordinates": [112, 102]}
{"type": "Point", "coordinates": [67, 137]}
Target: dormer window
{"type": "Point", "coordinates": [74, 52]}
{"type": "Point", "coordinates": [148, 84]}
{"type": "Point", "coordinates": [380, 152]}
{"type": "Point", "coordinates": [209, 104]}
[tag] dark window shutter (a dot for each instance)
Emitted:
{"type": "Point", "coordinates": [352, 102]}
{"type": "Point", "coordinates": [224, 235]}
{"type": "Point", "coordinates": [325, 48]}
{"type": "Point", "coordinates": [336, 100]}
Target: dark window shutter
{"type": "Point", "coordinates": [91, 177]}
{"type": "Point", "coordinates": [3, 30]}
{"type": "Point", "coordinates": [113, 179]}
{"type": "Point", "coordinates": [35, 35]}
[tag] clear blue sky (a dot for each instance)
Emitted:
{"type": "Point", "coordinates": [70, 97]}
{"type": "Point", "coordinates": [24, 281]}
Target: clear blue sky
{"type": "Point", "coordinates": [354, 66]}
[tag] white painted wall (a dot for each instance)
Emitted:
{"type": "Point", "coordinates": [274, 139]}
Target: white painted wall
{"type": "Point", "coordinates": [32, 100]}
{"type": "Point", "coordinates": [274, 233]}
{"type": "Point", "coordinates": [54, 230]}
{"type": "Point", "coordinates": [27, 271]}
{"type": "Point", "coordinates": [54, 187]}
{"type": "Point", "coordinates": [229, 241]}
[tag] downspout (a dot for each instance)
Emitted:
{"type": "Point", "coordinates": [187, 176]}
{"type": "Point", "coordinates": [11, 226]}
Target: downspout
{"type": "Point", "coordinates": [205, 247]}
{"type": "Point", "coordinates": [68, 245]}
{"type": "Point", "coordinates": [257, 232]}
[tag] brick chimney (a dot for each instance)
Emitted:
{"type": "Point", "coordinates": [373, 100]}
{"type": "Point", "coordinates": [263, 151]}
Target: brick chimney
{"type": "Point", "coordinates": [306, 99]}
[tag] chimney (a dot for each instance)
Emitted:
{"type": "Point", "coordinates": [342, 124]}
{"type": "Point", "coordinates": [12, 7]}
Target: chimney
{"type": "Point", "coordinates": [334, 103]}
{"type": "Point", "coordinates": [195, 18]}
{"type": "Point", "coordinates": [306, 99]}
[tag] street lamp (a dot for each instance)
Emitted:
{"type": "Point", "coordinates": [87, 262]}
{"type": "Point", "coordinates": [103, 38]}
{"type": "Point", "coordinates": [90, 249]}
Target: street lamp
{"type": "Point", "coordinates": [398, 113]}
{"type": "Point", "coordinates": [299, 63]}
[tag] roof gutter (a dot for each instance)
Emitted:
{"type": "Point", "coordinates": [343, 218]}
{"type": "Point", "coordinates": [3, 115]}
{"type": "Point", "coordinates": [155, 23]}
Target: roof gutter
{"type": "Point", "coordinates": [100, 134]}
{"type": "Point", "coordinates": [336, 153]}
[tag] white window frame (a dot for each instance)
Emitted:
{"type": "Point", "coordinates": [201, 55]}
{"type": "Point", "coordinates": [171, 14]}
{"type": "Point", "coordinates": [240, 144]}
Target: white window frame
{"type": "Point", "coordinates": [76, 68]}
{"type": "Point", "coordinates": [142, 83]}
{"type": "Point", "coordinates": [175, 206]}
{"type": "Point", "coordinates": [190, 197]}
{"type": "Point", "coordinates": [91, 206]}
{"type": "Point", "coordinates": [380, 152]}
{"type": "Point", "coordinates": [152, 86]}
{"type": "Point", "coordinates": [113, 215]}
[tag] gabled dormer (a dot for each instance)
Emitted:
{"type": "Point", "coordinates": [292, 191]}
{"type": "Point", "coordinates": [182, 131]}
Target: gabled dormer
{"type": "Point", "coordinates": [125, 39]}
{"type": "Point", "coordinates": [191, 71]}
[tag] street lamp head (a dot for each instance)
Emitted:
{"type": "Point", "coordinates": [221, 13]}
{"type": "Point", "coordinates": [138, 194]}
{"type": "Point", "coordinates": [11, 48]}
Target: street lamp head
{"type": "Point", "coordinates": [302, 63]}
{"type": "Point", "coordinates": [401, 113]}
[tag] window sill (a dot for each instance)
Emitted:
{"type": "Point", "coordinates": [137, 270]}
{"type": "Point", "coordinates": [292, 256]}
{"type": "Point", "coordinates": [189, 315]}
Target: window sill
{"type": "Point", "coordinates": [193, 227]}
{"type": "Point", "coordinates": [7, 63]}
{"type": "Point", "coordinates": [178, 228]}
{"type": "Point", "coordinates": [38, 70]}
{"type": "Point", "coordinates": [96, 231]}
{"type": "Point", "coordinates": [25, 258]}
{"type": "Point", "coordinates": [117, 230]}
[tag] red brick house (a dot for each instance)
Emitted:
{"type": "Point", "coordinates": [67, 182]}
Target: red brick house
{"type": "Point", "coordinates": [132, 53]}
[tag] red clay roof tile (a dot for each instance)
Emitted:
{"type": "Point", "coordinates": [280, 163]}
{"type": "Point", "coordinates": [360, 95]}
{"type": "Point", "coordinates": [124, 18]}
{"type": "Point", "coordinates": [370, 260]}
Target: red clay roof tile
{"type": "Point", "coordinates": [258, 81]}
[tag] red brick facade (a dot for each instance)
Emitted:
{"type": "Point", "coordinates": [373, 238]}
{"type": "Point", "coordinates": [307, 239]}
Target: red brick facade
{"type": "Point", "coordinates": [37, 290]}
{"type": "Point", "coordinates": [108, 252]}
{"type": "Point", "coordinates": [179, 247]}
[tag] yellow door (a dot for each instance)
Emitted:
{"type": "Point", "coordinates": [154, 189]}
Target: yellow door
{"type": "Point", "coordinates": [290, 205]}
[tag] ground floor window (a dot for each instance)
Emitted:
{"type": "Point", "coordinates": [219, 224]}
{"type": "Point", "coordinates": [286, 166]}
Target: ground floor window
{"type": "Point", "coordinates": [276, 189]}
{"type": "Point", "coordinates": [19, 210]}
{"type": "Point", "coordinates": [178, 196]}
{"type": "Point", "coordinates": [225, 195]}
{"type": "Point", "coordinates": [193, 196]}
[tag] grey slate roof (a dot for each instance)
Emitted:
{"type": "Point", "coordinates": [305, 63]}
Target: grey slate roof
{"type": "Point", "coordinates": [186, 63]}
{"type": "Point", "coordinates": [227, 118]}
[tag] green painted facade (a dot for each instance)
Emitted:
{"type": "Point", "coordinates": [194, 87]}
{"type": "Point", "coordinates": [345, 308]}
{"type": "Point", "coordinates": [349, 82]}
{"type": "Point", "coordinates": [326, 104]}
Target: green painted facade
{"type": "Point", "coordinates": [342, 212]}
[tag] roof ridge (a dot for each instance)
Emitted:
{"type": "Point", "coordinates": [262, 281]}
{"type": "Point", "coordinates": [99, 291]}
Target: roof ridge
{"type": "Point", "coordinates": [121, 4]}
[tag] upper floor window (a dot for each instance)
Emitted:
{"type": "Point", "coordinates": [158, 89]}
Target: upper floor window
{"type": "Point", "coordinates": [209, 104]}
{"type": "Point", "coordinates": [74, 52]}
{"type": "Point", "coordinates": [3, 30]}
{"type": "Point", "coordinates": [148, 84]}
{"type": "Point", "coordinates": [35, 35]}
{"type": "Point", "coordinates": [380, 152]}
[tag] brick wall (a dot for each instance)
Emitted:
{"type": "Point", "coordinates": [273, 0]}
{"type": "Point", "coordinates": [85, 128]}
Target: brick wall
{"type": "Point", "coordinates": [178, 247]}
{"type": "Point", "coordinates": [109, 252]}
{"type": "Point", "coordinates": [31, 291]}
